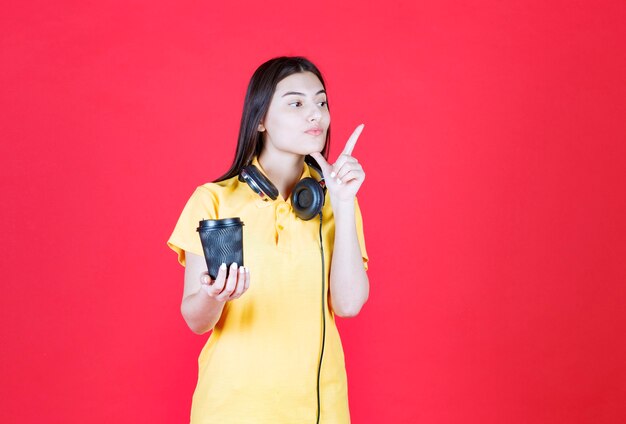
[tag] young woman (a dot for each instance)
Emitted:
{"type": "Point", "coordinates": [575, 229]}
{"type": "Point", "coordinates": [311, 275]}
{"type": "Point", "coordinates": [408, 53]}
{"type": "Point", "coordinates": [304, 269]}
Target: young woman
{"type": "Point", "coordinates": [274, 355]}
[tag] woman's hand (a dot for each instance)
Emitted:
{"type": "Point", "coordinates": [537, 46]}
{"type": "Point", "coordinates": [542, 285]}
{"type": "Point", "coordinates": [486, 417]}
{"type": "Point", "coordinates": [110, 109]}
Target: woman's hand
{"type": "Point", "coordinates": [224, 289]}
{"type": "Point", "coordinates": [343, 178]}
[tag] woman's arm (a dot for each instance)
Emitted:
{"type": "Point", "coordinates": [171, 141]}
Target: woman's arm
{"type": "Point", "coordinates": [202, 304]}
{"type": "Point", "coordinates": [349, 285]}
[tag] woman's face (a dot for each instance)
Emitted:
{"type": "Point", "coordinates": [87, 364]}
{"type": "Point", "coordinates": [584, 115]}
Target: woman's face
{"type": "Point", "coordinates": [298, 117]}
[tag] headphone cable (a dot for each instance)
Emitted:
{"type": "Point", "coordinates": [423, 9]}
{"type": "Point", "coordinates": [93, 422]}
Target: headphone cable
{"type": "Point", "coordinates": [319, 368]}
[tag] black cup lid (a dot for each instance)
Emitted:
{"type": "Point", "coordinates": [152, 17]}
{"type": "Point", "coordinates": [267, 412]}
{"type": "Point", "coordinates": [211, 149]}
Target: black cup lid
{"type": "Point", "coordinates": [219, 223]}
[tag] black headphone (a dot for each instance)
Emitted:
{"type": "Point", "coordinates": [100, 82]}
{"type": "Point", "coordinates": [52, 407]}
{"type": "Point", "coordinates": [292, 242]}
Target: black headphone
{"type": "Point", "coordinates": [307, 197]}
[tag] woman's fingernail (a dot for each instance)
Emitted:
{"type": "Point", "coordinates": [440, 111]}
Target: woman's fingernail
{"type": "Point", "coordinates": [242, 269]}
{"type": "Point", "coordinates": [223, 266]}
{"type": "Point", "coordinates": [332, 174]}
{"type": "Point", "coordinates": [234, 265]}
{"type": "Point", "coordinates": [338, 181]}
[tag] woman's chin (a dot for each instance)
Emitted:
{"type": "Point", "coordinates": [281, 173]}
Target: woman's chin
{"type": "Point", "coordinates": [317, 145]}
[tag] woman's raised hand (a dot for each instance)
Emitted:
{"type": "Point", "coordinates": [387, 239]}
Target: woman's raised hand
{"type": "Point", "coordinates": [344, 177]}
{"type": "Point", "coordinates": [227, 288]}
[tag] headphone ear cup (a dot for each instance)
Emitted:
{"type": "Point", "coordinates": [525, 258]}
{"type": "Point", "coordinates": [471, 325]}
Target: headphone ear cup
{"type": "Point", "coordinates": [261, 181]}
{"type": "Point", "coordinates": [307, 198]}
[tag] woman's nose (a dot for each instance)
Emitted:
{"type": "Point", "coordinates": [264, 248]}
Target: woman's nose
{"type": "Point", "coordinates": [315, 114]}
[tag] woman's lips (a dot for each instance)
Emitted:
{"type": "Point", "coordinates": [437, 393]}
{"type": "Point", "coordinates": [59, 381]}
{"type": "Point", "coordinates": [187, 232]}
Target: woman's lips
{"type": "Point", "coordinates": [314, 132]}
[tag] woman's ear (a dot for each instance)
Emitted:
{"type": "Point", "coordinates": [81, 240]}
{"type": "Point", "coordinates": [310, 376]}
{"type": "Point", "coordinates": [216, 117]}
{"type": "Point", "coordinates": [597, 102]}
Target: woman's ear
{"type": "Point", "coordinates": [260, 128]}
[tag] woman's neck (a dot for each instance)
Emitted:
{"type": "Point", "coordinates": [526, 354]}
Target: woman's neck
{"type": "Point", "coordinates": [283, 169]}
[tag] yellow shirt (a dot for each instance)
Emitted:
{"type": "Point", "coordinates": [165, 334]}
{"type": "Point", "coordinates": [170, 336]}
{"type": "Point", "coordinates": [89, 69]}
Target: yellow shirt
{"type": "Point", "coordinates": [260, 363]}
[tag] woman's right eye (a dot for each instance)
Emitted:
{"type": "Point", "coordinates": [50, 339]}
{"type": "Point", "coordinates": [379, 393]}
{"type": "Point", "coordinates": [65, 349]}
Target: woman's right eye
{"type": "Point", "coordinates": [295, 103]}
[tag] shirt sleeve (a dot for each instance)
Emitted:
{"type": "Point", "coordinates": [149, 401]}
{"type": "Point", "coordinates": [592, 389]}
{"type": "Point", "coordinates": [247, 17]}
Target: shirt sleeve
{"type": "Point", "coordinates": [359, 232]}
{"type": "Point", "coordinates": [201, 205]}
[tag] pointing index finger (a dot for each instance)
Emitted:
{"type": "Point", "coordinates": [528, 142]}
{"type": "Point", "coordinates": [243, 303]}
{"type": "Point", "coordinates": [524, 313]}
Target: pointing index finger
{"type": "Point", "coordinates": [352, 140]}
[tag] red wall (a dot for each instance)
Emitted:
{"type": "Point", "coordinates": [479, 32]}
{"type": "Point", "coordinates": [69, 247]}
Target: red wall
{"type": "Point", "coordinates": [494, 201]}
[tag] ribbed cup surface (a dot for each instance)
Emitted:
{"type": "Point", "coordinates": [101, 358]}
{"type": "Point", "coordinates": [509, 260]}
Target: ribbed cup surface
{"type": "Point", "coordinates": [221, 245]}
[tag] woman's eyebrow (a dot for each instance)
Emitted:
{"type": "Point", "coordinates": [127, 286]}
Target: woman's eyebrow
{"type": "Point", "coordinates": [297, 93]}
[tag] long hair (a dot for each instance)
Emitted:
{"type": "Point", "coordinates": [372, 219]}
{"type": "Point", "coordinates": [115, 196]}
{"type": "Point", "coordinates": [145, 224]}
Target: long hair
{"type": "Point", "coordinates": [258, 98]}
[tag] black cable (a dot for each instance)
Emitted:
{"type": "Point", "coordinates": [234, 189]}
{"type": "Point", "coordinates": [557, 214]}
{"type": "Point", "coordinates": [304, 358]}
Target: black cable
{"type": "Point", "coordinates": [319, 368]}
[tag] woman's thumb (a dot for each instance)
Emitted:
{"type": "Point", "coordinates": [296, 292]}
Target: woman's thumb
{"type": "Point", "coordinates": [321, 161]}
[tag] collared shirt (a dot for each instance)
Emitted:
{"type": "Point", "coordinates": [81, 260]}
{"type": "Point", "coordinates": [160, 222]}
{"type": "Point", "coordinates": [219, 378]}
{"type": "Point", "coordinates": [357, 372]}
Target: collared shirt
{"type": "Point", "coordinates": [260, 362]}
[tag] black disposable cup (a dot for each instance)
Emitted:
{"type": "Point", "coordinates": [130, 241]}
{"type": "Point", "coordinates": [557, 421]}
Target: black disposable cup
{"type": "Point", "coordinates": [222, 242]}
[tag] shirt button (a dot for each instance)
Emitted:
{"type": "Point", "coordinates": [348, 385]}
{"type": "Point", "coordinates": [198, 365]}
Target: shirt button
{"type": "Point", "coordinates": [282, 209]}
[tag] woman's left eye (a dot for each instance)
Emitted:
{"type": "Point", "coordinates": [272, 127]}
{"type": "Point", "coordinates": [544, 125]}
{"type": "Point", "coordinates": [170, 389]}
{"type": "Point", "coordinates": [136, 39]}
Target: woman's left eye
{"type": "Point", "coordinates": [323, 104]}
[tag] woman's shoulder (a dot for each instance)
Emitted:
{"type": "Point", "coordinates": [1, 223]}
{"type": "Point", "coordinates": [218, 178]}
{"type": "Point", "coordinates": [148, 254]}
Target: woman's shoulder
{"type": "Point", "coordinates": [219, 190]}
{"type": "Point", "coordinates": [219, 186]}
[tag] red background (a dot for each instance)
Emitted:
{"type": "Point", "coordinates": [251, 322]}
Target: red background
{"type": "Point", "coordinates": [494, 201]}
